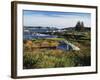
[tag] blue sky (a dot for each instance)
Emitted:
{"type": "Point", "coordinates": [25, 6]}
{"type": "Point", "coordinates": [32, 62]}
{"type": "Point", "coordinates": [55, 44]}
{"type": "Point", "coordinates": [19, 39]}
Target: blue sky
{"type": "Point", "coordinates": [55, 19]}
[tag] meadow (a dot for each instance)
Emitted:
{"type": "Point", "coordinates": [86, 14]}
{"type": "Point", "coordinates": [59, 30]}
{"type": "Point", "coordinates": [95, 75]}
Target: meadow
{"type": "Point", "coordinates": [42, 53]}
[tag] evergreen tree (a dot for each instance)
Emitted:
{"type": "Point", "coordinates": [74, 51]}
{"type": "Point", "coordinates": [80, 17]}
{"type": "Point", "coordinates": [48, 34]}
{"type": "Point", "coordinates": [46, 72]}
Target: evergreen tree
{"type": "Point", "coordinates": [79, 26]}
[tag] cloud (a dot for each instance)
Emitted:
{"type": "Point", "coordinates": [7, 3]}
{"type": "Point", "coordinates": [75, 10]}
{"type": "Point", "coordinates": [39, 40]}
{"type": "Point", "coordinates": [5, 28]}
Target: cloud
{"type": "Point", "coordinates": [55, 19]}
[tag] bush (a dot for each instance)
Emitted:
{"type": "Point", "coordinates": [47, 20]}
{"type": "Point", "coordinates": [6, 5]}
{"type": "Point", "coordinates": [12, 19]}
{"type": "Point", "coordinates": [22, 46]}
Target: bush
{"type": "Point", "coordinates": [47, 59]}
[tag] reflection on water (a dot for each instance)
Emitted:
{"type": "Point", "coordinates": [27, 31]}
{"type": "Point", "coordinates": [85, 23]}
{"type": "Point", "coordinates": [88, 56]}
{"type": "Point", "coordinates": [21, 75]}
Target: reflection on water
{"type": "Point", "coordinates": [64, 46]}
{"type": "Point", "coordinates": [28, 36]}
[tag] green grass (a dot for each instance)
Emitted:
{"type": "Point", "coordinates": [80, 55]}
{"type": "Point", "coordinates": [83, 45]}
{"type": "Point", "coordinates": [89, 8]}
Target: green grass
{"type": "Point", "coordinates": [58, 39]}
{"type": "Point", "coordinates": [52, 58]}
{"type": "Point", "coordinates": [49, 59]}
{"type": "Point", "coordinates": [48, 39]}
{"type": "Point", "coordinates": [43, 58]}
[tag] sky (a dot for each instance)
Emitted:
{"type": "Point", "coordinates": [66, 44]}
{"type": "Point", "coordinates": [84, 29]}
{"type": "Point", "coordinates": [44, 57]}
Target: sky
{"type": "Point", "coordinates": [55, 19]}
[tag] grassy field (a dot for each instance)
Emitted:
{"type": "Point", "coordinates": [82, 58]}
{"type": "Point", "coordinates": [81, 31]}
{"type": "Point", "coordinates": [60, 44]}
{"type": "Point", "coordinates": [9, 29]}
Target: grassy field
{"type": "Point", "coordinates": [38, 55]}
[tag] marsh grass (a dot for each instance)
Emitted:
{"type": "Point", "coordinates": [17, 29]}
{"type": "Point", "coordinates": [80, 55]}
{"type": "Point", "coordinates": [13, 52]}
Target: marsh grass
{"type": "Point", "coordinates": [43, 58]}
{"type": "Point", "coordinates": [35, 57]}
